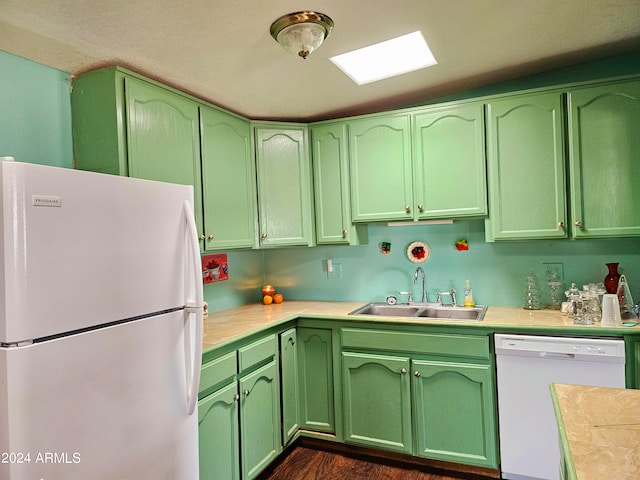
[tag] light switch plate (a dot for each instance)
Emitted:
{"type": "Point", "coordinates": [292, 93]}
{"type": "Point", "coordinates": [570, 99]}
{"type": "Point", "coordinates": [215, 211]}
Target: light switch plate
{"type": "Point", "coordinates": [337, 272]}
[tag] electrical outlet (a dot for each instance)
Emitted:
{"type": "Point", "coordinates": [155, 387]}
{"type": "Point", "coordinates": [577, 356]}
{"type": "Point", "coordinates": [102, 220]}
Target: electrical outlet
{"type": "Point", "coordinates": [553, 268]}
{"type": "Point", "coordinates": [337, 272]}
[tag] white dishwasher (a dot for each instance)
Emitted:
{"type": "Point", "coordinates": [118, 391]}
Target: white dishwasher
{"type": "Point", "coordinates": [525, 366]}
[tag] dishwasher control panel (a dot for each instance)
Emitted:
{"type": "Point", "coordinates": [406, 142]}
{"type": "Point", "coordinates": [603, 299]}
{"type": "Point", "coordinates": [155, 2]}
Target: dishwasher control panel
{"type": "Point", "coordinates": [580, 348]}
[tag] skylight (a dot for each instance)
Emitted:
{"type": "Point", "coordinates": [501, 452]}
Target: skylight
{"type": "Point", "coordinates": [399, 55]}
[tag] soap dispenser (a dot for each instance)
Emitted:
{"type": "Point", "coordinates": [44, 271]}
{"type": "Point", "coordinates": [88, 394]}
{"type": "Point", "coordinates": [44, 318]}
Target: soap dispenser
{"type": "Point", "coordinates": [468, 296]}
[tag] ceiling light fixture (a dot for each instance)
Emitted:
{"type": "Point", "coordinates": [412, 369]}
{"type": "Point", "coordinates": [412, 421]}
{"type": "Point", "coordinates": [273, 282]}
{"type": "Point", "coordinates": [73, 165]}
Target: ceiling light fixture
{"type": "Point", "coordinates": [301, 33]}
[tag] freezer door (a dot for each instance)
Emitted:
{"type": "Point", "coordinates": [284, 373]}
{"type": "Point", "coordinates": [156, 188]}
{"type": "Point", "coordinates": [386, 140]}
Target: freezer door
{"type": "Point", "coordinates": [102, 405]}
{"type": "Point", "coordinates": [110, 247]}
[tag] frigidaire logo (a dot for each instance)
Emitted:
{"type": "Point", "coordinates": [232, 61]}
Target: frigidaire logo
{"type": "Point", "coordinates": [46, 201]}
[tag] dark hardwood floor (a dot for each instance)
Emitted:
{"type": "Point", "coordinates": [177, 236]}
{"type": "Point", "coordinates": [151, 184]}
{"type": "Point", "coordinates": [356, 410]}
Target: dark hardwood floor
{"type": "Point", "coordinates": [307, 463]}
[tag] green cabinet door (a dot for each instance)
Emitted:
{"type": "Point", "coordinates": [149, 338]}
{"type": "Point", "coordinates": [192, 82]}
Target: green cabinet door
{"type": "Point", "coordinates": [377, 403]}
{"type": "Point", "coordinates": [449, 163]}
{"type": "Point", "coordinates": [284, 185]}
{"type": "Point", "coordinates": [455, 412]}
{"type": "Point", "coordinates": [315, 367]}
{"type": "Point", "coordinates": [163, 140]}
{"type": "Point", "coordinates": [228, 178]}
{"type": "Point", "coordinates": [259, 419]}
{"type": "Point", "coordinates": [289, 384]}
{"type": "Point", "coordinates": [330, 158]}
{"type": "Point", "coordinates": [525, 161]}
{"type": "Point", "coordinates": [380, 169]}
{"type": "Point", "coordinates": [126, 125]}
{"type": "Point", "coordinates": [604, 160]}
{"type": "Point", "coordinates": [219, 443]}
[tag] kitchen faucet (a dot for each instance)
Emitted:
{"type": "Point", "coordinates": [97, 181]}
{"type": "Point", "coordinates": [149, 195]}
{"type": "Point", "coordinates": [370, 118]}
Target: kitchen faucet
{"type": "Point", "coordinates": [424, 284]}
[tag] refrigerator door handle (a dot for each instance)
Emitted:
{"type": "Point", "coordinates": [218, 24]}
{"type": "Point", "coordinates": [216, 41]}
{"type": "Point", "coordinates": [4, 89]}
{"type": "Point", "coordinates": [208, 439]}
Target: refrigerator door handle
{"type": "Point", "coordinates": [194, 308]}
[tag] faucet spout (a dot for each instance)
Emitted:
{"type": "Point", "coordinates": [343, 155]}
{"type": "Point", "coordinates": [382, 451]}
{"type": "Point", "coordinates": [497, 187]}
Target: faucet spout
{"type": "Point", "coordinates": [424, 283]}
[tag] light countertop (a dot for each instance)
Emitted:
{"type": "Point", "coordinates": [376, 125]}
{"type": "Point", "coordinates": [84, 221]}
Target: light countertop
{"type": "Point", "coordinates": [600, 430]}
{"type": "Point", "coordinates": [234, 323]}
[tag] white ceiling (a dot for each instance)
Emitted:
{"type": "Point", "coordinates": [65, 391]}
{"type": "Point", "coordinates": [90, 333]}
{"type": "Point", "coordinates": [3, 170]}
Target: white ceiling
{"type": "Point", "coordinates": [221, 50]}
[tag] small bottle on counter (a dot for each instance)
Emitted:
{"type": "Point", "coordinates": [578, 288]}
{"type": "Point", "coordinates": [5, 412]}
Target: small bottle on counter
{"type": "Point", "coordinates": [468, 296]}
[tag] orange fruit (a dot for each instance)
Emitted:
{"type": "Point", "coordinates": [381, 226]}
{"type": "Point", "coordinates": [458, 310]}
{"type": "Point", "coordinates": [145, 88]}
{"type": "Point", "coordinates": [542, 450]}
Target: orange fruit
{"type": "Point", "coordinates": [278, 298]}
{"type": "Point", "coordinates": [267, 299]}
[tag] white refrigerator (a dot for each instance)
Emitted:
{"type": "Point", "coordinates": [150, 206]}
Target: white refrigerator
{"type": "Point", "coordinates": [100, 327]}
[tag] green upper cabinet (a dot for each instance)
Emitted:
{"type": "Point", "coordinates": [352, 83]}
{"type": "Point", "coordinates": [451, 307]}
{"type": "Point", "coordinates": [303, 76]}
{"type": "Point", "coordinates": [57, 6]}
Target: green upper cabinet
{"type": "Point", "coordinates": [604, 160]}
{"type": "Point", "coordinates": [125, 125]}
{"type": "Point", "coordinates": [228, 174]}
{"type": "Point", "coordinates": [284, 185]}
{"type": "Point", "coordinates": [449, 163]}
{"type": "Point", "coordinates": [330, 158]}
{"type": "Point", "coordinates": [526, 175]}
{"type": "Point", "coordinates": [380, 168]}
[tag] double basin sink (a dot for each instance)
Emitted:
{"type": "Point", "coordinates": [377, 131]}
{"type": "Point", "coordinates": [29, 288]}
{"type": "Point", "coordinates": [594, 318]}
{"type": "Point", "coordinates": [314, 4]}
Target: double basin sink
{"type": "Point", "coordinates": [431, 311]}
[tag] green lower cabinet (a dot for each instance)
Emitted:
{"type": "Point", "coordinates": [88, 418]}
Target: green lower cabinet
{"type": "Point", "coordinates": [316, 388]}
{"type": "Point", "coordinates": [454, 412]}
{"type": "Point", "coordinates": [259, 419]}
{"type": "Point", "coordinates": [377, 401]}
{"type": "Point", "coordinates": [219, 435]}
{"type": "Point", "coordinates": [289, 384]}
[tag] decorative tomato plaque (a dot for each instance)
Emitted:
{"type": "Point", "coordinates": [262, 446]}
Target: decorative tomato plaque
{"type": "Point", "coordinates": [215, 268]}
{"type": "Point", "coordinates": [418, 252]}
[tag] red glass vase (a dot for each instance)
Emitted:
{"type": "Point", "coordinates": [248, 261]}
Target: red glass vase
{"type": "Point", "coordinates": [612, 278]}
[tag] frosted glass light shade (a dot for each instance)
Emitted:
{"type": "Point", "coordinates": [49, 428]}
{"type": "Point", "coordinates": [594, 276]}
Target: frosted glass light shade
{"type": "Point", "coordinates": [301, 39]}
{"type": "Point", "coordinates": [301, 33]}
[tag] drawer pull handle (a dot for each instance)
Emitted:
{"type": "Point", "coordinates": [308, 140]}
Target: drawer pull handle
{"type": "Point", "coordinates": [246, 392]}
{"type": "Point", "coordinates": [417, 374]}
{"type": "Point", "coordinates": [403, 371]}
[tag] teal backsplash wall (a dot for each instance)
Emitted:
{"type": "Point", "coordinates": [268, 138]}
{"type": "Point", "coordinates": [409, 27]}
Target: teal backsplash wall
{"type": "Point", "coordinates": [35, 122]}
{"type": "Point", "coordinates": [496, 270]}
{"type": "Point", "coordinates": [246, 275]}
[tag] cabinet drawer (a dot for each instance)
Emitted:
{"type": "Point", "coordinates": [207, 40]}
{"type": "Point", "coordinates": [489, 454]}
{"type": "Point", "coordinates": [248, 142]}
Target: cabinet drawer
{"type": "Point", "coordinates": [257, 352]}
{"type": "Point", "coordinates": [425, 343]}
{"type": "Point", "coordinates": [218, 370]}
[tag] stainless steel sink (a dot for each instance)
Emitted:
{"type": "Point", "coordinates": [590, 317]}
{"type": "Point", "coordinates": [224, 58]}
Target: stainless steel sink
{"type": "Point", "coordinates": [432, 311]}
{"type": "Point", "coordinates": [386, 310]}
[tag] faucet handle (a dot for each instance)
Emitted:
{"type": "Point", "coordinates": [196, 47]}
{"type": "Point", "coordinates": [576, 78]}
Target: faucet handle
{"type": "Point", "coordinates": [451, 293]}
{"type": "Point", "coordinates": [410, 296]}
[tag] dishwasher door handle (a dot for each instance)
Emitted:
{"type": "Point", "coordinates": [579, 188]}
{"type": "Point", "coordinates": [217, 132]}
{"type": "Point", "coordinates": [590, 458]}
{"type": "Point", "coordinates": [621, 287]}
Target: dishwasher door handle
{"type": "Point", "coordinates": [566, 356]}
